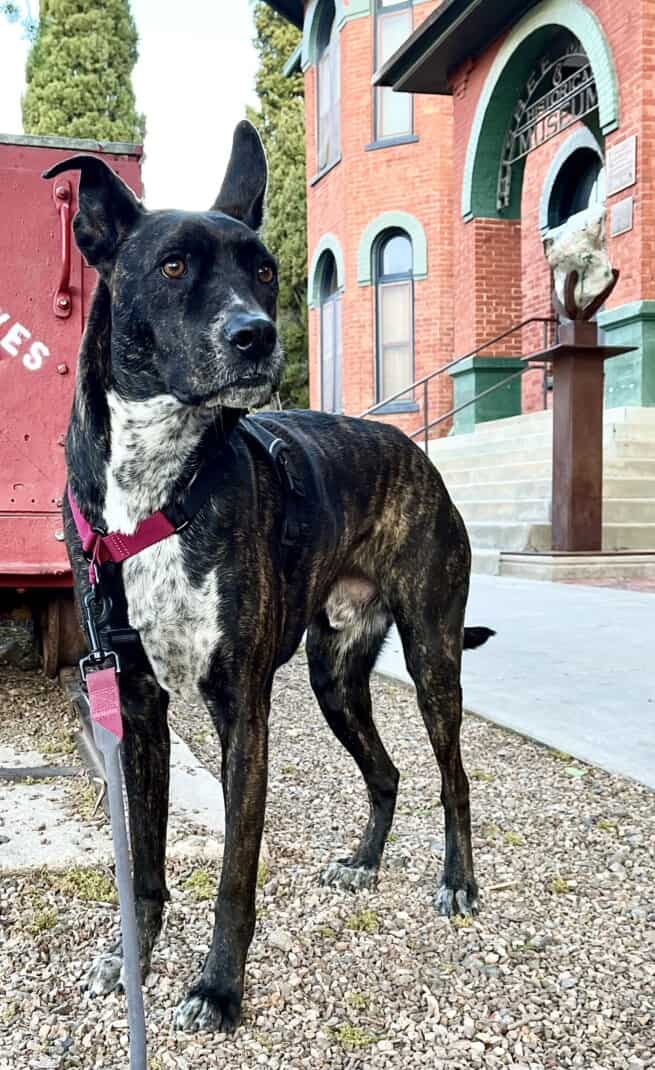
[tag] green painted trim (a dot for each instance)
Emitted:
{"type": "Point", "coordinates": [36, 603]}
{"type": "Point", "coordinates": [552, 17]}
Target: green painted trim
{"type": "Point", "coordinates": [610, 318]}
{"type": "Point", "coordinates": [391, 221]}
{"type": "Point", "coordinates": [328, 244]}
{"type": "Point", "coordinates": [356, 9]}
{"type": "Point", "coordinates": [630, 379]}
{"type": "Point", "coordinates": [582, 138]}
{"type": "Point", "coordinates": [511, 66]}
{"type": "Point", "coordinates": [476, 374]}
{"type": "Point", "coordinates": [292, 65]}
{"type": "Point", "coordinates": [508, 364]}
{"type": "Point", "coordinates": [309, 33]}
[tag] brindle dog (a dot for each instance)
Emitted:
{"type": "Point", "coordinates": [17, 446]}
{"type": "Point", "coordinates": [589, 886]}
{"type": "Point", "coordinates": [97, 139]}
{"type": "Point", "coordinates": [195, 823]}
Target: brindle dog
{"type": "Point", "coordinates": [180, 341]}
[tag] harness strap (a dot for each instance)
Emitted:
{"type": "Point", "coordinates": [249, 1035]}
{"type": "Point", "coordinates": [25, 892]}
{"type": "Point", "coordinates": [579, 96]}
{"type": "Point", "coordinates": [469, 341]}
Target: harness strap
{"type": "Point", "coordinates": [102, 547]}
{"type": "Point", "coordinates": [294, 527]}
{"type": "Point", "coordinates": [114, 546]}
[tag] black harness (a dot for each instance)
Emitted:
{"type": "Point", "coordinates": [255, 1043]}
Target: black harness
{"type": "Point", "coordinates": [105, 607]}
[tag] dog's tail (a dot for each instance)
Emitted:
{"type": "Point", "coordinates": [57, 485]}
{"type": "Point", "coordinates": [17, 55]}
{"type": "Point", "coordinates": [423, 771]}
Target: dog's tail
{"type": "Point", "coordinates": [474, 637]}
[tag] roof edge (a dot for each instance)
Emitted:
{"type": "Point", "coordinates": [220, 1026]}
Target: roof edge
{"type": "Point", "coordinates": [291, 10]}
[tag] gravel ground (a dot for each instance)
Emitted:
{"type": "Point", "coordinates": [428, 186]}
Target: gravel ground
{"type": "Point", "coordinates": [557, 971]}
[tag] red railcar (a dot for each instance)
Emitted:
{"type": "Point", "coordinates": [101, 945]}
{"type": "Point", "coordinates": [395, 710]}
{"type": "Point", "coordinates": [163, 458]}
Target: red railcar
{"type": "Point", "coordinates": [45, 293]}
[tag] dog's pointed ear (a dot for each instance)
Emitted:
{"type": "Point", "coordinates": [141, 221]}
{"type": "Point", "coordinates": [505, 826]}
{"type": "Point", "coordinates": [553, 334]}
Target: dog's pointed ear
{"type": "Point", "coordinates": [108, 209]}
{"type": "Point", "coordinates": [244, 185]}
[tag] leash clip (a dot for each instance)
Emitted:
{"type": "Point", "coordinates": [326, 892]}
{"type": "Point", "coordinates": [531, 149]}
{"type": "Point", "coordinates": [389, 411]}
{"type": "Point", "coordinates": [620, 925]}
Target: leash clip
{"type": "Point", "coordinates": [95, 660]}
{"type": "Point", "coordinates": [97, 654]}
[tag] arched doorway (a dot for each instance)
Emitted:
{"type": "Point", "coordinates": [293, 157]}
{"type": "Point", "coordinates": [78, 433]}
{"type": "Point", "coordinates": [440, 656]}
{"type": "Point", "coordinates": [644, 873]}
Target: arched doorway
{"type": "Point", "coordinates": [524, 71]}
{"type": "Point", "coordinates": [551, 78]}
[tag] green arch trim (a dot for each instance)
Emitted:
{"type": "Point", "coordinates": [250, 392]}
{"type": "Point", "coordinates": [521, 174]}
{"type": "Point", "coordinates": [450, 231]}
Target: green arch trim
{"type": "Point", "coordinates": [512, 65]}
{"type": "Point", "coordinates": [328, 244]}
{"type": "Point", "coordinates": [392, 221]}
{"type": "Point", "coordinates": [356, 9]}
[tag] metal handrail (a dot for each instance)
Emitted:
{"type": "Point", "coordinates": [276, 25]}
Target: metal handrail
{"type": "Point", "coordinates": [546, 321]}
{"type": "Point", "coordinates": [482, 394]}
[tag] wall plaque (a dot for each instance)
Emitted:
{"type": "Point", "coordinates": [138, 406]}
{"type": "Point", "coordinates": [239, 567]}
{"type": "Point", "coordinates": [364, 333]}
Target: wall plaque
{"type": "Point", "coordinates": [621, 215]}
{"type": "Point", "coordinates": [621, 163]}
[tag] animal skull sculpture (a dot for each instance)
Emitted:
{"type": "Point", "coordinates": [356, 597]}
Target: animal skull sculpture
{"type": "Point", "coordinates": [580, 248]}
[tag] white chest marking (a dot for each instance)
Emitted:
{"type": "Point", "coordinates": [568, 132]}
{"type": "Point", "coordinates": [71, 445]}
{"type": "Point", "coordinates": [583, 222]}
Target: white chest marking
{"type": "Point", "coordinates": [150, 442]}
{"type": "Point", "coordinates": [178, 623]}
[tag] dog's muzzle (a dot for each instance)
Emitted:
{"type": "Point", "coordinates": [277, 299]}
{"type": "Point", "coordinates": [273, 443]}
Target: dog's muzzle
{"type": "Point", "coordinates": [253, 336]}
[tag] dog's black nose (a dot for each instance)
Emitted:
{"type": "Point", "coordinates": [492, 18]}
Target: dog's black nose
{"type": "Point", "coordinates": [254, 336]}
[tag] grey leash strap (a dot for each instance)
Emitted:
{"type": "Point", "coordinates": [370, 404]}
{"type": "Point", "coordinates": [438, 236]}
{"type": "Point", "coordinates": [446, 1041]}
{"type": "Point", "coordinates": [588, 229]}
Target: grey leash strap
{"type": "Point", "coordinates": [108, 745]}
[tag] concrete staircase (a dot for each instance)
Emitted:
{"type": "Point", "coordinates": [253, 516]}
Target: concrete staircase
{"type": "Point", "coordinates": [500, 478]}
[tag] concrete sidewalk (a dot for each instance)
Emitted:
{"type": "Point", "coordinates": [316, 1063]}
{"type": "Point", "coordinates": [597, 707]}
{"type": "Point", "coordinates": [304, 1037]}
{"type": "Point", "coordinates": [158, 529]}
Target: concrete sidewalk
{"type": "Point", "coordinates": [571, 666]}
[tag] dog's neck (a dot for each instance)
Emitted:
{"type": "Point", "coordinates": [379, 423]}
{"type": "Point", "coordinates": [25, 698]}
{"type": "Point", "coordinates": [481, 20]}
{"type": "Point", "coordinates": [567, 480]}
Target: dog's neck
{"type": "Point", "coordinates": [153, 444]}
{"type": "Point", "coordinates": [129, 458]}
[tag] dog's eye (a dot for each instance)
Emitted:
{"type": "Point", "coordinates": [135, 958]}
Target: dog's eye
{"type": "Point", "coordinates": [174, 267]}
{"type": "Point", "coordinates": [265, 273]}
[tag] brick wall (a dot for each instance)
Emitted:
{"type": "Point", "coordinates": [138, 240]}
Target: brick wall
{"type": "Point", "coordinates": [504, 276]}
{"type": "Point", "coordinates": [487, 274]}
{"type": "Point", "coordinates": [415, 178]}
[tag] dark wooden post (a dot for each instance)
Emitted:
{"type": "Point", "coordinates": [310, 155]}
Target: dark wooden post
{"type": "Point", "coordinates": [578, 374]}
{"type": "Point", "coordinates": [577, 520]}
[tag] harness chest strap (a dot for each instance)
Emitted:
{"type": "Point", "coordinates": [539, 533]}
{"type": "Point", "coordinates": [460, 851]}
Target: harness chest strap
{"type": "Point", "coordinates": [116, 547]}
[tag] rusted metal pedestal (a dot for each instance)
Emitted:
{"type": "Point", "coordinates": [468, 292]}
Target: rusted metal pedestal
{"type": "Point", "coordinates": [577, 361]}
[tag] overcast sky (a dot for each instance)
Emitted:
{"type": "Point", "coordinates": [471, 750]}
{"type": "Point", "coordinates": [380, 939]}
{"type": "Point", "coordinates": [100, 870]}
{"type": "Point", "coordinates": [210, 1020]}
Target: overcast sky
{"type": "Point", "coordinates": [194, 78]}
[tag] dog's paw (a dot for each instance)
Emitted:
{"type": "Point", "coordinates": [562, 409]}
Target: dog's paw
{"type": "Point", "coordinates": [449, 901]}
{"type": "Point", "coordinates": [201, 1013]}
{"type": "Point", "coordinates": [105, 976]}
{"type": "Point", "coordinates": [343, 875]}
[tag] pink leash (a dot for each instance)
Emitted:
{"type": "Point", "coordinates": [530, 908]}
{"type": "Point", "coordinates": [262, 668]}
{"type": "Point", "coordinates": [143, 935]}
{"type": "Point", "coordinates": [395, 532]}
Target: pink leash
{"type": "Point", "coordinates": [105, 709]}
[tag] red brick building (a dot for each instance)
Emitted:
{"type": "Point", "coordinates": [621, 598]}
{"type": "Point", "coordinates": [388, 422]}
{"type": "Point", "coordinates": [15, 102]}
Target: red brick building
{"type": "Point", "coordinates": [427, 211]}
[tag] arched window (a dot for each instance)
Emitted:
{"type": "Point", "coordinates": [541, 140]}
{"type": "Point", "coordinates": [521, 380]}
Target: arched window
{"type": "Point", "coordinates": [393, 111]}
{"type": "Point", "coordinates": [327, 90]}
{"type": "Point", "coordinates": [579, 186]}
{"type": "Point", "coordinates": [330, 310]}
{"type": "Point", "coordinates": [394, 291]}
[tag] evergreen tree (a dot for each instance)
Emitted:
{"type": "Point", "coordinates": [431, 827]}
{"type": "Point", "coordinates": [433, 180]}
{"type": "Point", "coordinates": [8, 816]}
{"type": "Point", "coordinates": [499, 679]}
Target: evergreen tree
{"type": "Point", "coordinates": [281, 124]}
{"type": "Point", "coordinates": [79, 72]}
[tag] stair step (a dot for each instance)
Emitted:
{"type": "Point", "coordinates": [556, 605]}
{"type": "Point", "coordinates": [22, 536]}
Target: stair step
{"type": "Point", "coordinates": [538, 510]}
{"type": "Point", "coordinates": [493, 535]}
{"type": "Point", "coordinates": [629, 511]}
{"type": "Point", "coordinates": [507, 536]}
{"type": "Point", "coordinates": [532, 510]}
{"type": "Point", "coordinates": [642, 420]}
{"type": "Point", "coordinates": [540, 468]}
{"type": "Point", "coordinates": [629, 536]}
{"type": "Point", "coordinates": [524, 489]}
{"type": "Point", "coordinates": [485, 562]}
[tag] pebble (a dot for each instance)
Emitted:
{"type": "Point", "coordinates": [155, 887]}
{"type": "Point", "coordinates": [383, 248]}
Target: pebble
{"type": "Point", "coordinates": [416, 991]}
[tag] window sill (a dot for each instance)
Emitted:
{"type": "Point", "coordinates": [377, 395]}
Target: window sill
{"type": "Point", "coordinates": [389, 142]}
{"type": "Point", "coordinates": [325, 171]}
{"type": "Point", "coordinates": [394, 407]}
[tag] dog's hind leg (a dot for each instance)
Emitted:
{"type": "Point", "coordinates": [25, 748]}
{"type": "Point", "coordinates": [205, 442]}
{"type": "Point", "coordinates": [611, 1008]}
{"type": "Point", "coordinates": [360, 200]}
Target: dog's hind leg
{"type": "Point", "coordinates": [430, 619]}
{"type": "Point", "coordinates": [145, 758]}
{"type": "Point", "coordinates": [340, 664]}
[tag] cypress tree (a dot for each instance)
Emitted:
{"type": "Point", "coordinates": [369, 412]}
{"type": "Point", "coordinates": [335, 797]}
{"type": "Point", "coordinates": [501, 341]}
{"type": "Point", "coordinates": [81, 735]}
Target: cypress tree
{"type": "Point", "coordinates": [281, 124]}
{"type": "Point", "coordinates": [79, 72]}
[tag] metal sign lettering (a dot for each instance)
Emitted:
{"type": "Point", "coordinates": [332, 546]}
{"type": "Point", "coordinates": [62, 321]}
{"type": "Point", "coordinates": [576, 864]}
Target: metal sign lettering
{"type": "Point", "coordinates": [570, 94]}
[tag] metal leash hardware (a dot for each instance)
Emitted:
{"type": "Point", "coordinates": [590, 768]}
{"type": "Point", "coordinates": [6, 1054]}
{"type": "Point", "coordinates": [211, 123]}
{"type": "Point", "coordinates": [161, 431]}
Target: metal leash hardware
{"type": "Point", "coordinates": [101, 680]}
{"type": "Point", "coordinates": [97, 654]}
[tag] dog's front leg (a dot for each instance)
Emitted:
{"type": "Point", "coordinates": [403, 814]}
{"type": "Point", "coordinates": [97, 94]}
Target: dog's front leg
{"type": "Point", "coordinates": [145, 756]}
{"type": "Point", "coordinates": [214, 1003]}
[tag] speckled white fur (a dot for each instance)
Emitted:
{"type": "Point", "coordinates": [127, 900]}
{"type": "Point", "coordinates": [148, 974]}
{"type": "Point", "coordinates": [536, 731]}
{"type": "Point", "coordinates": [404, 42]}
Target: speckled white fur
{"type": "Point", "coordinates": [178, 623]}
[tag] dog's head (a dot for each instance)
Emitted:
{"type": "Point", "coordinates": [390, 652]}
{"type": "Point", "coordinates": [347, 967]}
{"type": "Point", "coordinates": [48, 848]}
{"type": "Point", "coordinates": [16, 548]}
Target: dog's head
{"type": "Point", "coordinates": [193, 294]}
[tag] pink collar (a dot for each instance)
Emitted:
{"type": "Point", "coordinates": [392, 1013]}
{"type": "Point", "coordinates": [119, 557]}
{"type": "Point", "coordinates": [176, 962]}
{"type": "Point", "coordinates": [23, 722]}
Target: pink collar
{"type": "Point", "coordinates": [115, 546]}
